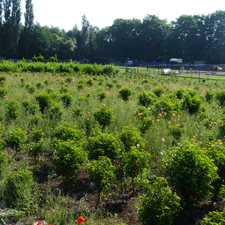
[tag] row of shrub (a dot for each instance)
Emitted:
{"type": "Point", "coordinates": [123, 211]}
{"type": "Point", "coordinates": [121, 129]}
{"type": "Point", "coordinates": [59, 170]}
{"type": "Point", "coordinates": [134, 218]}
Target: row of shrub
{"type": "Point", "coordinates": [54, 67]}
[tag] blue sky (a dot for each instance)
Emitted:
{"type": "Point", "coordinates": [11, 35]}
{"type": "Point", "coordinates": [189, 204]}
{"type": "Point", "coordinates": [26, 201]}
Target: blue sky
{"type": "Point", "coordinates": [101, 13]}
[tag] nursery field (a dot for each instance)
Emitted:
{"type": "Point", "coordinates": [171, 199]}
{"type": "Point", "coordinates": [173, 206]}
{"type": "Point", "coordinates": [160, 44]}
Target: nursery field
{"type": "Point", "coordinates": [112, 147]}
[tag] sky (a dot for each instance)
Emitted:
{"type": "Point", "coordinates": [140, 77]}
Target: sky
{"type": "Point", "coordinates": [101, 13]}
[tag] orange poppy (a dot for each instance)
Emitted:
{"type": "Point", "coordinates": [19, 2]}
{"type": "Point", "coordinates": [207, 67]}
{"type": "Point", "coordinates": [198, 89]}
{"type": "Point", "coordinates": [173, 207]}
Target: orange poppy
{"type": "Point", "coordinates": [80, 219]}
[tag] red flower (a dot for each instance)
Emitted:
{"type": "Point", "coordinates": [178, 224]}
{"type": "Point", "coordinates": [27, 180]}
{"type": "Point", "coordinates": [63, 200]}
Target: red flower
{"type": "Point", "coordinates": [80, 219]}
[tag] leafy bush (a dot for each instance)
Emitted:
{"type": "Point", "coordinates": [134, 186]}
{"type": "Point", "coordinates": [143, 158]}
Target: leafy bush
{"type": "Point", "coordinates": [44, 100]}
{"type": "Point", "coordinates": [159, 204]}
{"type": "Point", "coordinates": [104, 116]}
{"type": "Point", "coordinates": [55, 111]}
{"type": "Point", "coordinates": [67, 99]}
{"type": "Point", "coordinates": [146, 98]}
{"type": "Point", "coordinates": [35, 149]}
{"type": "Point", "coordinates": [30, 107]}
{"type": "Point", "coordinates": [102, 95]}
{"type": "Point", "coordinates": [209, 95]}
{"type": "Point", "coordinates": [146, 123]}
{"type": "Point", "coordinates": [67, 132]}
{"type": "Point", "coordinates": [67, 160]}
{"type": "Point", "coordinates": [12, 110]}
{"type": "Point", "coordinates": [3, 163]}
{"type": "Point", "coordinates": [158, 91]}
{"type": "Point", "coordinates": [3, 92]}
{"type": "Point", "coordinates": [125, 93]}
{"type": "Point", "coordinates": [191, 104]}
{"type": "Point", "coordinates": [40, 58]}
{"type": "Point", "coordinates": [16, 138]}
{"type": "Point", "coordinates": [130, 136]}
{"type": "Point", "coordinates": [134, 162]}
{"type": "Point", "coordinates": [214, 218]}
{"type": "Point", "coordinates": [220, 96]}
{"type": "Point", "coordinates": [18, 189]}
{"type": "Point", "coordinates": [101, 172]}
{"type": "Point", "coordinates": [190, 172]}
{"type": "Point", "coordinates": [101, 144]}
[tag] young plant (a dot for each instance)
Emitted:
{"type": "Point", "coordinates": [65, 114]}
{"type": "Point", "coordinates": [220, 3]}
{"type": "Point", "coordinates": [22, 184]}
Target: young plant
{"type": "Point", "coordinates": [102, 144]}
{"type": "Point", "coordinates": [101, 172]}
{"type": "Point", "coordinates": [12, 110]}
{"type": "Point", "coordinates": [67, 160]}
{"type": "Point", "coordinates": [191, 173]}
{"type": "Point", "coordinates": [18, 189]}
{"type": "Point", "coordinates": [104, 116]}
{"type": "Point", "coordinates": [125, 93]}
{"type": "Point", "coordinates": [130, 137]}
{"type": "Point", "coordinates": [16, 138]}
{"type": "Point", "coordinates": [134, 162]}
{"type": "Point", "coordinates": [159, 204]}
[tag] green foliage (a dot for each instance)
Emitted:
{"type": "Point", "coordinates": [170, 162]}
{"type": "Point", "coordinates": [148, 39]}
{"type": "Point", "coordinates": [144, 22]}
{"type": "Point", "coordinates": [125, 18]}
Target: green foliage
{"type": "Point", "coordinates": [176, 131]}
{"type": "Point", "coordinates": [190, 172]}
{"type": "Point", "coordinates": [3, 92]}
{"type": "Point", "coordinates": [16, 138]}
{"type": "Point", "coordinates": [146, 98]}
{"type": "Point", "coordinates": [146, 123]}
{"type": "Point", "coordinates": [40, 58]}
{"type": "Point", "coordinates": [159, 204]}
{"type": "Point", "coordinates": [55, 111]}
{"type": "Point", "coordinates": [67, 99]}
{"type": "Point", "coordinates": [67, 160]}
{"type": "Point", "coordinates": [102, 144]}
{"type": "Point", "coordinates": [134, 162]}
{"type": "Point", "coordinates": [131, 137]}
{"type": "Point", "coordinates": [191, 103]}
{"type": "Point", "coordinates": [34, 59]}
{"type": "Point", "coordinates": [216, 152]}
{"type": "Point", "coordinates": [209, 95]}
{"type": "Point", "coordinates": [35, 149]}
{"type": "Point", "coordinates": [39, 85]}
{"type": "Point", "coordinates": [125, 93]}
{"type": "Point", "coordinates": [104, 116]}
{"type": "Point", "coordinates": [102, 95]}
{"type": "Point", "coordinates": [220, 96]}
{"type": "Point", "coordinates": [158, 91]}
{"type": "Point", "coordinates": [44, 100]}
{"type": "Point", "coordinates": [12, 110]}
{"type": "Point", "coordinates": [18, 189]}
{"type": "Point", "coordinates": [3, 163]}
{"type": "Point", "coordinates": [2, 80]}
{"type": "Point", "coordinates": [214, 218]}
{"type": "Point", "coordinates": [67, 132]}
{"type": "Point", "coordinates": [30, 107]}
{"type": "Point", "coordinates": [101, 172]}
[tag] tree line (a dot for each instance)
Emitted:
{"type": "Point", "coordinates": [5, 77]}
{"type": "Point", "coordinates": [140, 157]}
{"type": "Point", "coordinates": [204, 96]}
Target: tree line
{"type": "Point", "coordinates": [192, 38]}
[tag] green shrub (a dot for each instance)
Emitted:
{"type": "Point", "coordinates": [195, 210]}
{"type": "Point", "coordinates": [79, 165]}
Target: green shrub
{"type": "Point", "coordinates": [67, 160]}
{"type": "Point", "coordinates": [40, 58]}
{"type": "Point", "coordinates": [220, 96]}
{"type": "Point", "coordinates": [3, 163]}
{"type": "Point", "coordinates": [18, 189]}
{"type": "Point", "coordinates": [159, 204]}
{"type": "Point", "coordinates": [190, 172]}
{"type": "Point", "coordinates": [158, 91]}
{"type": "Point", "coordinates": [90, 82]}
{"type": "Point", "coordinates": [134, 162]}
{"type": "Point", "coordinates": [12, 110]}
{"type": "Point", "coordinates": [34, 59]}
{"type": "Point", "coordinates": [55, 111]}
{"type": "Point", "coordinates": [67, 132]}
{"type": "Point", "coordinates": [30, 107]}
{"type": "Point", "coordinates": [125, 93]}
{"type": "Point", "coordinates": [16, 138]}
{"type": "Point", "coordinates": [2, 80]}
{"type": "Point", "coordinates": [180, 93]}
{"type": "Point", "coordinates": [37, 135]}
{"type": "Point", "coordinates": [35, 149]}
{"type": "Point", "coordinates": [176, 131]}
{"type": "Point", "coordinates": [191, 104]}
{"type": "Point", "coordinates": [216, 152]}
{"type": "Point", "coordinates": [44, 100]}
{"type": "Point", "coordinates": [101, 172]}
{"type": "Point", "coordinates": [209, 95]}
{"type": "Point", "coordinates": [146, 123]}
{"type": "Point", "coordinates": [39, 85]}
{"type": "Point", "coordinates": [102, 95]}
{"type": "Point", "coordinates": [214, 218]}
{"type": "Point", "coordinates": [104, 116]}
{"type": "Point", "coordinates": [3, 92]}
{"type": "Point", "coordinates": [102, 144]}
{"type": "Point", "coordinates": [67, 99]}
{"type": "Point", "coordinates": [130, 137]}
{"type": "Point", "coordinates": [146, 98]}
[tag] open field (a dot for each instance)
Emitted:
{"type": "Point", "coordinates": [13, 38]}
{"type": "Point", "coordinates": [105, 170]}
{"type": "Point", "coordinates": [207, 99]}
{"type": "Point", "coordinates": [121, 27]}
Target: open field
{"type": "Point", "coordinates": [58, 129]}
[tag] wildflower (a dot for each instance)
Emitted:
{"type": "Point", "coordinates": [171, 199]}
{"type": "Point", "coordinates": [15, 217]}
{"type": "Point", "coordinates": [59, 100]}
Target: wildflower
{"type": "Point", "coordinates": [31, 201]}
{"type": "Point", "coordinates": [26, 185]}
{"type": "Point", "coordinates": [80, 219]}
{"type": "Point", "coordinates": [192, 140]}
{"type": "Point", "coordinates": [163, 139]}
{"type": "Point", "coordinates": [138, 145]}
{"type": "Point", "coordinates": [200, 143]}
{"type": "Point", "coordinates": [169, 122]}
